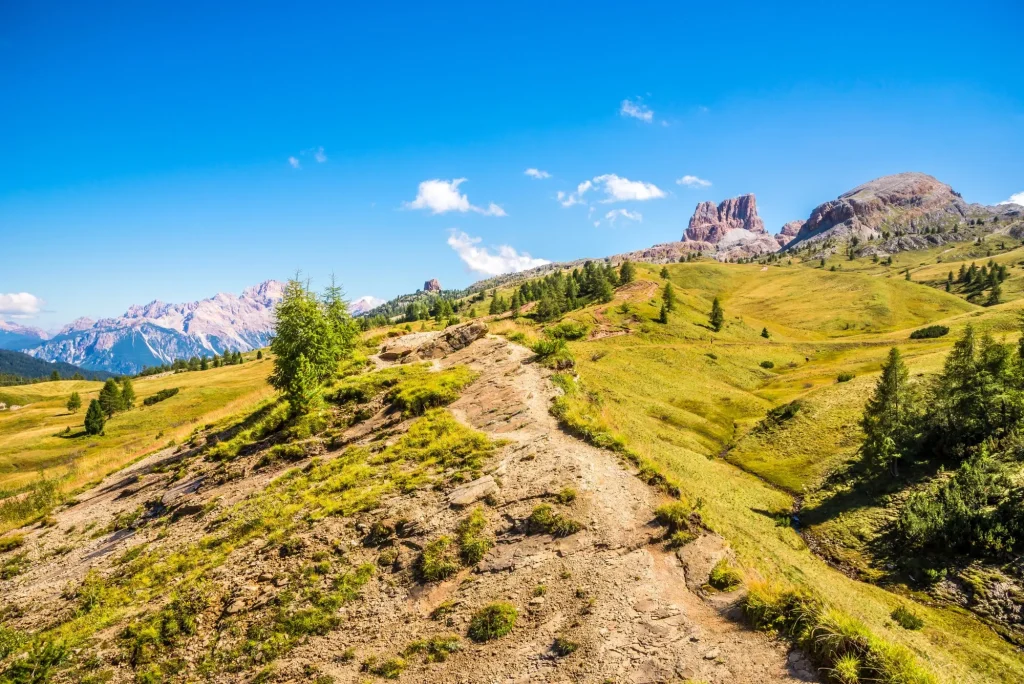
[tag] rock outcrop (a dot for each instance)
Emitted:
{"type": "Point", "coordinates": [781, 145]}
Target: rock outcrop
{"type": "Point", "coordinates": [432, 285]}
{"type": "Point", "coordinates": [710, 223]}
{"type": "Point", "coordinates": [732, 229]}
{"type": "Point", "coordinates": [903, 201]}
{"type": "Point", "coordinates": [788, 232]}
{"type": "Point", "coordinates": [422, 346]}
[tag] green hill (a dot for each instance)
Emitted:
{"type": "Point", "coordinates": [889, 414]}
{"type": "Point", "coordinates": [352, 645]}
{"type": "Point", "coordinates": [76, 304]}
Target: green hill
{"type": "Point", "coordinates": [17, 368]}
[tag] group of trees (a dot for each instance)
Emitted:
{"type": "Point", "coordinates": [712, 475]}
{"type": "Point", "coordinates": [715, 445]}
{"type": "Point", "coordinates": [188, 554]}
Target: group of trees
{"type": "Point", "coordinates": [314, 334]}
{"type": "Point", "coordinates": [116, 396]}
{"type": "Point", "coordinates": [976, 280]}
{"type": "Point", "coordinates": [968, 417]}
{"type": "Point", "coordinates": [559, 293]}
{"type": "Point", "coordinates": [196, 363]}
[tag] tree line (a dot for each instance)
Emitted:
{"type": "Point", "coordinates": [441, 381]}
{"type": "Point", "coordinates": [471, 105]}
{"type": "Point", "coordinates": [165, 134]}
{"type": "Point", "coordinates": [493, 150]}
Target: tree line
{"type": "Point", "coordinates": [196, 363]}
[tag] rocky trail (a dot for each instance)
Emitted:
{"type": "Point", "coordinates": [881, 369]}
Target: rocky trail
{"type": "Point", "coordinates": [635, 611]}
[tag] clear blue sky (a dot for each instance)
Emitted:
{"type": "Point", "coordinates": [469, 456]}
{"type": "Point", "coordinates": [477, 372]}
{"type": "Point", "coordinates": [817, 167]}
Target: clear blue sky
{"type": "Point", "coordinates": [145, 146]}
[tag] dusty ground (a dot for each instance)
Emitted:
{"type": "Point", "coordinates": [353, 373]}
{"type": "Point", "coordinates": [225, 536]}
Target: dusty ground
{"type": "Point", "coordinates": [636, 610]}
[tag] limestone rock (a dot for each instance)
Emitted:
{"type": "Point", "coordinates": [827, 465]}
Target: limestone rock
{"type": "Point", "coordinates": [788, 232]}
{"type": "Point", "coordinates": [711, 223]}
{"type": "Point", "coordinates": [432, 285]}
{"type": "Point", "coordinates": [472, 492]}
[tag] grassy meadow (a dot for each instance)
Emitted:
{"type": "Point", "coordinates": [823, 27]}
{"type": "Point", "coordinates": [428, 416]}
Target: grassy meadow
{"type": "Point", "coordinates": [35, 441]}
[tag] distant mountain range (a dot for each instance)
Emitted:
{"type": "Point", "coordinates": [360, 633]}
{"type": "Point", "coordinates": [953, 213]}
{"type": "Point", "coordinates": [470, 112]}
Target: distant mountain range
{"type": "Point", "coordinates": [17, 367]}
{"type": "Point", "coordinates": [156, 333]}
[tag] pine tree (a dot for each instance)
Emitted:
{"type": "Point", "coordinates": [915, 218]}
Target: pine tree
{"type": "Point", "coordinates": [74, 402]}
{"type": "Point", "coordinates": [94, 418]}
{"type": "Point", "coordinates": [994, 295]}
{"type": "Point", "coordinates": [259, 354]}
{"type": "Point", "coordinates": [717, 317]}
{"type": "Point", "coordinates": [54, 376]}
{"type": "Point", "coordinates": [110, 398]}
{"type": "Point", "coordinates": [343, 328]}
{"type": "Point", "coordinates": [664, 272]}
{"type": "Point", "coordinates": [668, 296]}
{"type": "Point", "coordinates": [663, 316]}
{"type": "Point", "coordinates": [516, 304]}
{"type": "Point", "coordinates": [764, 333]}
{"type": "Point", "coordinates": [906, 274]}
{"type": "Point", "coordinates": [304, 391]}
{"type": "Point", "coordinates": [127, 394]}
{"type": "Point", "coordinates": [204, 364]}
{"type": "Point", "coordinates": [890, 416]}
{"type": "Point", "coordinates": [605, 292]}
{"type": "Point", "coordinates": [627, 272]}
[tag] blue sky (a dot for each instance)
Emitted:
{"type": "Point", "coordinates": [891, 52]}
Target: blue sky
{"type": "Point", "coordinates": [146, 146]}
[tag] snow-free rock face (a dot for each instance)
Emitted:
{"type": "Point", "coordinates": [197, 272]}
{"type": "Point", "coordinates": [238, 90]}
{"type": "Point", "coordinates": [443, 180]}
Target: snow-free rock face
{"type": "Point", "coordinates": [364, 304]}
{"type": "Point", "coordinates": [711, 223]}
{"type": "Point", "coordinates": [891, 202]}
{"type": "Point", "coordinates": [156, 333]}
{"type": "Point", "coordinates": [432, 285]}
{"type": "Point", "coordinates": [788, 232]}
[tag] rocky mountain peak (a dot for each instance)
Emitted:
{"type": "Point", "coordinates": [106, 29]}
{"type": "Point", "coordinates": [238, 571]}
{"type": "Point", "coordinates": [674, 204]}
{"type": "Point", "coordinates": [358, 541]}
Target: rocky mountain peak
{"type": "Point", "coordinates": [710, 223]}
{"type": "Point", "coordinates": [432, 285]}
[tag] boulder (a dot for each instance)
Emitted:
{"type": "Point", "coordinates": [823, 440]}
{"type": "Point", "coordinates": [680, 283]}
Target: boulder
{"type": "Point", "coordinates": [471, 492]}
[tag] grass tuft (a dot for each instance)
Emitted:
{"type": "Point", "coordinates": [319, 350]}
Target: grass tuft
{"type": "Point", "coordinates": [492, 622]}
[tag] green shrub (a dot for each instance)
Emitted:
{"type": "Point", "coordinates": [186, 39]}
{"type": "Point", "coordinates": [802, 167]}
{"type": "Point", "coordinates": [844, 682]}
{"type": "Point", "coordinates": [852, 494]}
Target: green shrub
{"type": "Point", "coordinates": [160, 396]}
{"type": "Point", "coordinates": [906, 619]}
{"type": "Point", "coordinates": [438, 560]}
{"type": "Point", "coordinates": [11, 542]}
{"type": "Point", "coordinates": [563, 646]}
{"type": "Point", "coordinates": [725, 576]}
{"type": "Point", "coordinates": [767, 364]}
{"type": "Point", "coordinates": [545, 520]}
{"type": "Point", "coordinates": [492, 621]}
{"type": "Point", "coordinates": [435, 649]}
{"type": "Point", "coordinates": [554, 354]}
{"type": "Point", "coordinates": [386, 669]}
{"type": "Point", "coordinates": [568, 330]}
{"type": "Point", "coordinates": [845, 377]}
{"type": "Point", "coordinates": [929, 332]}
{"type": "Point", "coordinates": [566, 496]}
{"type": "Point", "coordinates": [675, 516]}
{"type": "Point", "coordinates": [473, 543]}
{"type": "Point", "coordinates": [679, 539]}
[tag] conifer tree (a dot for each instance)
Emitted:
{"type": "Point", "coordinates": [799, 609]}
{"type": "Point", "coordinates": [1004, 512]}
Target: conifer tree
{"type": "Point", "coordinates": [627, 272]}
{"type": "Point", "coordinates": [664, 272]}
{"type": "Point", "coordinates": [204, 364]}
{"type": "Point", "coordinates": [74, 402]}
{"type": "Point", "coordinates": [668, 296]}
{"type": "Point", "coordinates": [663, 315]}
{"type": "Point", "coordinates": [516, 304]}
{"type": "Point", "coordinates": [259, 354]}
{"type": "Point", "coordinates": [890, 415]}
{"type": "Point", "coordinates": [110, 398]}
{"type": "Point", "coordinates": [343, 328]}
{"type": "Point", "coordinates": [717, 317]}
{"type": "Point", "coordinates": [127, 394]}
{"type": "Point", "coordinates": [94, 418]}
{"type": "Point", "coordinates": [994, 295]}
{"type": "Point", "coordinates": [54, 376]}
{"type": "Point", "coordinates": [765, 334]}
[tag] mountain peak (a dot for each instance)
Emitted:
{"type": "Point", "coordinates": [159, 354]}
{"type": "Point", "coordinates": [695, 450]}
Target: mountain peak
{"type": "Point", "coordinates": [711, 222]}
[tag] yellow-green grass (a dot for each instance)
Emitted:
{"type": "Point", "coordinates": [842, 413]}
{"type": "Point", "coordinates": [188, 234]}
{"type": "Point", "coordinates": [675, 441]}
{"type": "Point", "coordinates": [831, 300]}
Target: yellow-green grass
{"type": "Point", "coordinates": [680, 409]}
{"type": "Point", "coordinates": [32, 439]}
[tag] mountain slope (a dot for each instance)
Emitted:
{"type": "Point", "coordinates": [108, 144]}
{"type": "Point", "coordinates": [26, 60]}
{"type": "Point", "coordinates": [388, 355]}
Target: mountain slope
{"type": "Point", "coordinates": [159, 333]}
{"type": "Point", "coordinates": [15, 336]}
{"type": "Point", "coordinates": [14, 365]}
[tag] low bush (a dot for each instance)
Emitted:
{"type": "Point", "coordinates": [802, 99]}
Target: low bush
{"type": "Point", "coordinates": [767, 364]}
{"type": "Point", "coordinates": [906, 618]}
{"type": "Point", "coordinates": [568, 330]}
{"type": "Point", "coordinates": [160, 396]}
{"type": "Point", "coordinates": [675, 516]}
{"type": "Point", "coordinates": [473, 543]}
{"type": "Point", "coordinates": [778, 415]}
{"type": "Point", "coordinates": [845, 377]}
{"type": "Point", "coordinates": [438, 560]}
{"type": "Point", "coordinates": [563, 646]}
{"type": "Point", "coordinates": [11, 542]}
{"type": "Point", "coordinates": [435, 649]}
{"type": "Point", "coordinates": [492, 621]}
{"type": "Point", "coordinates": [545, 520]}
{"type": "Point", "coordinates": [554, 353]}
{"type": "Point", "coordinates": [929, 332]}
{"type": "Point", "coordinates": [566, 496]}
{"type": "Point", "coordinates": [725, 576]}
{"type": "Point", "coordinates": [386, 669]}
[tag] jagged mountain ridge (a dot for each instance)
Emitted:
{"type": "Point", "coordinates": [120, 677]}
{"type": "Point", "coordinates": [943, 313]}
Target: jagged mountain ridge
{"type": "Point", "coordinates": [17, 336]}
{"type": "Point", "coordinates": [157, 333]}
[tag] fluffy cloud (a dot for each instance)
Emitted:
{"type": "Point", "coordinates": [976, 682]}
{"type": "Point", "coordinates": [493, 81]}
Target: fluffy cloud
{"type": "Point", "coordinates": [625, 214]}
{"type": "Point", "coordinates": [636, 110]}
{"type": "Point", "coordinates": [693, 182]}
{"type": "Point", "coordinates": [537, 173]}
{"type": "Point", "coordinates": [294, 162]}
{"type": "Point", "coordinates": [20, 305]}
{"type": "Point", "coordinates": [1015, 199]}
{"type": "Point", "coordinates": [615, 188]}
{"type": "Point", "coordinates": [442, 196]}
{"type": "Point", "coordinates": [482, 260]}
{"type": "Point", "coordinates": [319, 155]}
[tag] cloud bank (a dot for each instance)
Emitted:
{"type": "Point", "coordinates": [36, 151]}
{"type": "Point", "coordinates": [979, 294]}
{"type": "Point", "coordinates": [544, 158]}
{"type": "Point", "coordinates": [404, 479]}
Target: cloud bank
{"type": "Point", "coordinates": [482, 260]}
{"type": "Point", "coordinates": [20, 305]}
{"type": "Point", "coordinates": [442, 196]}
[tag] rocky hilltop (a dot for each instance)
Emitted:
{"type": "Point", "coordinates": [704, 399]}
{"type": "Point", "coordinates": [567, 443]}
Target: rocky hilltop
{"type": "Point", "coordinates": [731, 229]}
{"type": "Point", "coordinates": [156, 333]}
{"type": "Point", "coordinates": [788, 232]}
{"type": "Point", "coordinates": [905, 202]}
{"type": "Point", "coordinates": [432, 285]}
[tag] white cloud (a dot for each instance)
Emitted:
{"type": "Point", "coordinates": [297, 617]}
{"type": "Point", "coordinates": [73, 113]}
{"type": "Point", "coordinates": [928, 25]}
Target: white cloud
{"type": "Point", "coordinates": [616, 189]}
{"type": "Point", "coordinates": [442, 196]}
{"type": "Point", "coordinates": [693, 182]}
{"type": "Point", "coordinates": [482, 260]}
{"type": "Point", "coordinates": [20, 305]}
{"type": "Point", "coordinates": [1015, 199]}
{"type": "Point", "coordinates": [622, 189]}
{"type": "Point", "coordinates": [319, 155]}
{"type": "Point", "coordinates": [625, 214]}
{"type": "Point", "coordinates": [636, 110]}
{"type": "Point", "coordinates": [537, 173]}
{"type": "Point", "coordinates": [294, 162]}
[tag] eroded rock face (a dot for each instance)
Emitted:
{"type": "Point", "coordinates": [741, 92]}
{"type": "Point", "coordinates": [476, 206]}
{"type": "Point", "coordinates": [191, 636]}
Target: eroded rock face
{"type": "Point", "coordinates": [866, 210]}
{"type": "Point", "coordinates": [788, 232]}
{"type": "Point", "coordinates": [422, 346]}
{"type": "Point", "coordinates": [710, 223]}
{"type": "Point", "coordinates": [432, 285]}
